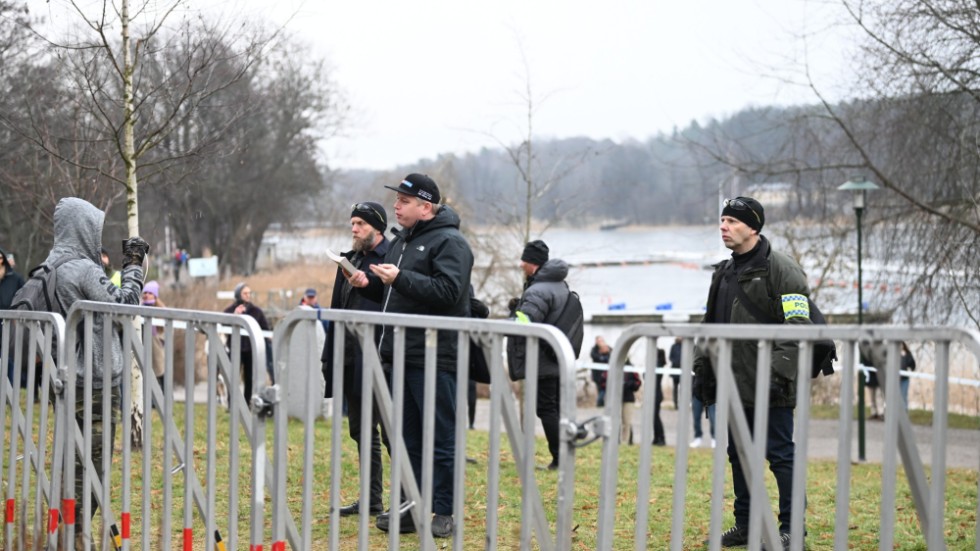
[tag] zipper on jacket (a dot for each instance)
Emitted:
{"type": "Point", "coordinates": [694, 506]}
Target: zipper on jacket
{"type": "Point", "coordinates": [384, 307]}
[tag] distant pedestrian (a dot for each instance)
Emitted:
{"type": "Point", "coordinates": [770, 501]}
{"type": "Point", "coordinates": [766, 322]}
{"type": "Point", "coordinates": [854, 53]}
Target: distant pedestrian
{"type": "Point", "coordinates": [675, 362]}
{"type": "Point", "coordinates": [151, 297]}
{"type": "Point", "coordinates": [10, 283]}
{"type": "Point", "coordinates": [631, 383]}
{"type": "Point", "coordinates": [908, 364]}
{"type": "Point", "coordinates": [311, 301]}
{"type": "Point", "coordinates": [600, 355]}
{"type": "Point", "coordinates": [697, 405]}
{"type": "Point", "coordinates": [659, 438]}
{"type": "Point", "coordinates": [243, 306]}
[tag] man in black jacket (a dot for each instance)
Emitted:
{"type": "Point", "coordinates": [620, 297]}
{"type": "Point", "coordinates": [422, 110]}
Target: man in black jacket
{"type": "Point", "coordinates": [426, 272]}
{"type": "Point", "coordinates": [368, 221]}
{"type": "Point", "coordinates": [756, 278]}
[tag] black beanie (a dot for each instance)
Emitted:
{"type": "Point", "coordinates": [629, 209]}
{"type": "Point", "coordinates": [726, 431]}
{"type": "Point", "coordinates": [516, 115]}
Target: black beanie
{"type": "Point", "coordinates": [747, 210]}
{"type": "Point", "coordinates": [535, 252]}
{"type": "Point", "coordinates": [372, 213]}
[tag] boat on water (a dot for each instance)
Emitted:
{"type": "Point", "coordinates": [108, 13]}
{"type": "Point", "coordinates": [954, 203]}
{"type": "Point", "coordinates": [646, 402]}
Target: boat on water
{"type": "Point", "coordinates": [613, 224]}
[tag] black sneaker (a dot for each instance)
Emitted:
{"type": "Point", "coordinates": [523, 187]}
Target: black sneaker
{"type": "Point", "coordinates": [736, 536]}
{"type": "Point", "coordinates": [406, 526]}
{"type": "Point", "coordinates": [784, 539]}
{"type": "Point", "coordinates": [442, 526]}
{"type": "Point", "coordinates": [355, 509]}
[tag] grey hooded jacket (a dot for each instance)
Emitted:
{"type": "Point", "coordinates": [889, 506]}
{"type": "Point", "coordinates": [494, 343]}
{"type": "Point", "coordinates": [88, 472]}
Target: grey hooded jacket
{"type": "Point", "coordinates": [544, 298]}
{"type": "Point", "coordinates": [78, 233]}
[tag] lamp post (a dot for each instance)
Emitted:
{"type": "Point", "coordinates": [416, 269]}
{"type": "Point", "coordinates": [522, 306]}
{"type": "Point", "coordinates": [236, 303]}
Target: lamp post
{"type": "Point", "coordinates": [860, 187]}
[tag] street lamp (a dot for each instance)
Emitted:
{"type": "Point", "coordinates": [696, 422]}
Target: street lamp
{"type": "Point", "coordinates": [860, 187]}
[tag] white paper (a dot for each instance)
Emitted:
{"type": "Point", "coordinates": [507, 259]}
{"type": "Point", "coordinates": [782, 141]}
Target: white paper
{"type": "Point", "coordinates": [342, 261]}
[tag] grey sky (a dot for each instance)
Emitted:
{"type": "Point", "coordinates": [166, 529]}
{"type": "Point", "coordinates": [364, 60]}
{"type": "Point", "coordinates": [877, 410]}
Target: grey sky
{"type": "Point", "coordinates": [431, 76]}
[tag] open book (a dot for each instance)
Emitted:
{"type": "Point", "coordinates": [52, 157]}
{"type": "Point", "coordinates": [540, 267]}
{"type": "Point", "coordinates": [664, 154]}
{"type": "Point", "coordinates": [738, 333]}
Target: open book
{"type": "Point", "coordinates": [342, 261]}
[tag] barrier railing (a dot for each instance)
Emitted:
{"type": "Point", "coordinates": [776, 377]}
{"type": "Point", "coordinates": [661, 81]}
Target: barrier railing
{"type": "Point", "coordinates": [927, 495]}
{"type": "Point", "coordinates": [123, 333]}
{"type": "Point", "coordinates": [389, 399]}
{"type": "Point", "coordinates": [27, 346]}
{"type": "Point", "coordinates": [199, 474]}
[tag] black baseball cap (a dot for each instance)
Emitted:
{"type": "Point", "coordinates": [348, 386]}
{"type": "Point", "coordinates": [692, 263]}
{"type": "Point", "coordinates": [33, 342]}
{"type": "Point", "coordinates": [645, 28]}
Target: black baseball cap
{"type": "Point", "coordinates": [419, 185]}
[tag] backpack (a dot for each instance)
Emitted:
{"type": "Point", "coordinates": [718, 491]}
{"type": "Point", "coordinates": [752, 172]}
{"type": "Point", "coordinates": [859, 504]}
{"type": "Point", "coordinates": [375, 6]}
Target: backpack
{"type": "Point", "coordinates": [39, 292]}
{"type": "Point", "coordinates": [824, 351]}
{"type": "Point", "coordinates": [571, 321]}
{"type": "Point", "coordinates": [39, 295]}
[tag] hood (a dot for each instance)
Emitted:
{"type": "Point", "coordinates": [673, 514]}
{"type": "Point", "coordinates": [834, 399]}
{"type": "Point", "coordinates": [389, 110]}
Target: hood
{"type": "Point", "coordinates": [446, 217]}
{"type": "Point", "coordinates": [555, 269]}
{"type": "Point", "coordinates": [78, 229]}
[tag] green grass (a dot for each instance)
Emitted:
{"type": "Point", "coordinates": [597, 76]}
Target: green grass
{"type": "Point", "coordinates": [864, 521]}
{"type": "Point", "coordinates": [916, 416]}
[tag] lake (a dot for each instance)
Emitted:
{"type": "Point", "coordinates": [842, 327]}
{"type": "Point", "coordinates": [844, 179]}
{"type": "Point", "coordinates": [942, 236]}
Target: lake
{"type": "Point", "coordinates": [632, 269]}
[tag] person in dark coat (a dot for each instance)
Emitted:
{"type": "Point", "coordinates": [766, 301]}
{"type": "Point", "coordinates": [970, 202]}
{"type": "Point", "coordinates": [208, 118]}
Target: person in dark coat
{"type": "Point", "coordinates": [426, 272]}
{"type": "Point", "coordinates": [776, 283]}
{"type": "Point", "coordinates": [243, 305]}
{"type": "Point", "coordinates": [368, 222]}
{"type": "Point", "coordinates": [600, 355]}
{"type": "Point", "coordinates": [544, 298]}
{"type": "Point", "coordinates": [659, 438]}
{"type": "Point", "coordinates": [908, 364]}
{"type": "Point", "coordinates": [631, 383]}
{"type": "Point", "coordinates": [10, 283]}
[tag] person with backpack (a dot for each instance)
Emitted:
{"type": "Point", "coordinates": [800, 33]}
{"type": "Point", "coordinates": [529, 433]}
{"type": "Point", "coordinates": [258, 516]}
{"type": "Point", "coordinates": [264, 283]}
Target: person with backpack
{"type": "Point", "coordinates": [543, 301]}
{"type": "Point", "coordinates": [73, 272]}
{"type": "Point", "coordinates": [756, 277]}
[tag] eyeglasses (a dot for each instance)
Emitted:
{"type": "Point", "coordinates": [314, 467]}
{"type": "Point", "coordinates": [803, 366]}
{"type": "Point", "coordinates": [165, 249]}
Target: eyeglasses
{"type": "Point", "coordinates": [369, 208]}
{"type": "Point", "coordinates": [739, 204]}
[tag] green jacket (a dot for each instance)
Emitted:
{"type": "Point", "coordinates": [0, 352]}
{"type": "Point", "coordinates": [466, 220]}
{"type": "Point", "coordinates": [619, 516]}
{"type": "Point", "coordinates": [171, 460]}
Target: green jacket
{"type": "Point", "coordinates": [770, 280]}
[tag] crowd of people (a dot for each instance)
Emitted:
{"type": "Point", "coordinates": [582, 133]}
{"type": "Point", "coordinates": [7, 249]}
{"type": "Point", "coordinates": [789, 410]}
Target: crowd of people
{"type": "Point", "coordinates": [425, 269]}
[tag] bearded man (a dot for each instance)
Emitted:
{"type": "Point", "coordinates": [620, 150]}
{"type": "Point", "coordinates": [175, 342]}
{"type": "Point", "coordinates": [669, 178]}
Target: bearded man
{"type": "Point", "coordinates": [368, 223]}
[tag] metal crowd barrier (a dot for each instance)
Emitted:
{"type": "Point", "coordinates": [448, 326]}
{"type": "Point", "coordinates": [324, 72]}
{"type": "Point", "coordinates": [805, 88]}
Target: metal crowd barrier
{"type": "Point", "coordinates": [26, 347]}
{"type": "Point", "coordinates": [390, 399]}
{"type": "Point", "coordinates": [181, 470]}
{"type": "Point", "coordinates": [927, 495]}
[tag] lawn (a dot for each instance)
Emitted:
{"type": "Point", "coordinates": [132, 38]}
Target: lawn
{"type": "Point", "coordinates": [961, 495]}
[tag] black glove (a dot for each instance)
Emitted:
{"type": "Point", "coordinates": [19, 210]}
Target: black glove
{"type": "Point", "coordinates": [134, 251]}
{"type": "Point", "coordinates": [512, 305]}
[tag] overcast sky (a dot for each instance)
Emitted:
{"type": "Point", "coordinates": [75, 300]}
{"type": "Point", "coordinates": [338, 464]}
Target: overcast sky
{"type": "Point", "coordinates": [426, 77]}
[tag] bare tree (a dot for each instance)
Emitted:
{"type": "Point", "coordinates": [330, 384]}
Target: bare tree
{"type": "Point", "coordinates": [913, 129]}
{"type": "Point", "coordinates": [917, 137]}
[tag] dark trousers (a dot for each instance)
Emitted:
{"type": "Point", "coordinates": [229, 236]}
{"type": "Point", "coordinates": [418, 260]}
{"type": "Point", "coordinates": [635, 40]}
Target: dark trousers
{"type": "Point", "coordinates": [658, 425]}
{"type": "Point", "coordinates": [677, 387]}
{"type": "Point", "coordinates": [98, 429]}
{"type": "Point", "coordinates": [779, 452]}
{"type": "Point", "coordinates": [549, 391]}
{"type": "Point", "coordinates": [377, 436]}
{"type": "Point", "coordinates": [445, 433]}
{"type": "Point", "coordinates": [471, 400]}
{"type": "Point", "coordinates": [246, 357]}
